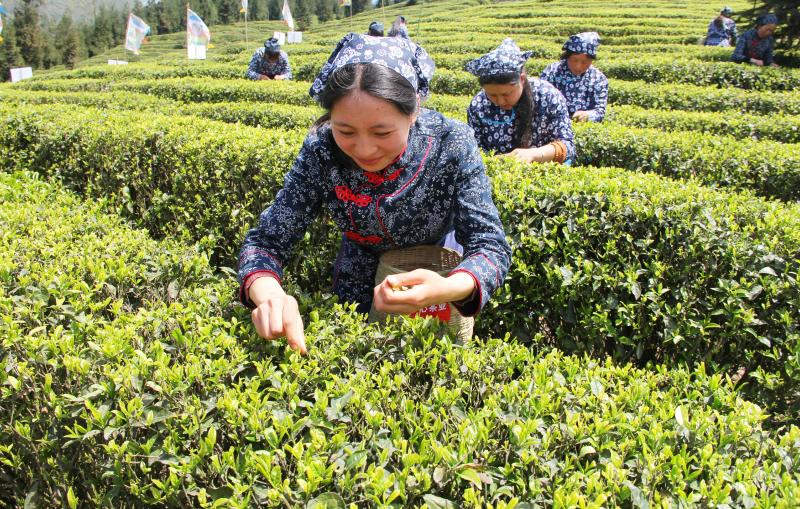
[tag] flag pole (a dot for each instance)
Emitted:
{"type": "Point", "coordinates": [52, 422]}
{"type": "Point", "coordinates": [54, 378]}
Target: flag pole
{"type": "Point", "coordinates": [246, 41]}
{"type": "Point", "coordinates": [187, 31]}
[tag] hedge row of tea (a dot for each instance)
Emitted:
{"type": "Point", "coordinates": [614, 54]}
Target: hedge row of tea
{"type": "Point", "coordinates": [662, 69]}
{"type": "Point", "coordinates": [132, 379]}
{"type": "Point", "coordinates": [608, 261]}
{"type": "Point", "coordinates": [129, 376]}
{"type": "Point", "coordinates": [768, 168]}
{"type": "Point", "coordinates": [777, 127]}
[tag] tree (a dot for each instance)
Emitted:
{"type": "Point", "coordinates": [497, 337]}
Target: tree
{"type": "Point", "coordinates": [67, 41]}
{"type": "Point", "coordinates": [258, 10]}
{"type": "Point", "coordinates": [10, 55]}
{"type": "Point", "coordinates": [302, 15]}
{"type": "Point", "coordinates": [787, 35]}
{"type": "Point", "coordinates": [71, 52]}
{"type": "Point", "coordinates": [29, 33]}
{"type": "Point", "coordinates": [275, 7]}
{"type": "Point", "coordinates": [324, 10]}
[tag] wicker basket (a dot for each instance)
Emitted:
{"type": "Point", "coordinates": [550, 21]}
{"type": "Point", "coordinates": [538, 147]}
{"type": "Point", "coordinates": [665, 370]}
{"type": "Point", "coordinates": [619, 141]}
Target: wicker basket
{"type": "Point", "coordinates": [438, 259]}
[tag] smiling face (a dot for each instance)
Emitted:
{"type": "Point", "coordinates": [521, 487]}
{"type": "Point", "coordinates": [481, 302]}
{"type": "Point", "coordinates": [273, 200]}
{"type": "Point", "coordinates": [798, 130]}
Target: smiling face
{"type": "Point", "coordinates": [371, 131]}
{"type": "Point", "coordinates": [579, 63]}
{"type": "Point", "coordinates": [505, 96]}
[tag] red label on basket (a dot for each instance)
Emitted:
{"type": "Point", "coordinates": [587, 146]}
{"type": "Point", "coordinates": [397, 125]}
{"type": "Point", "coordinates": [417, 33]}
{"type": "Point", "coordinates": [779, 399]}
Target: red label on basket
{"type": "Point", "coordinates": [440, 311]}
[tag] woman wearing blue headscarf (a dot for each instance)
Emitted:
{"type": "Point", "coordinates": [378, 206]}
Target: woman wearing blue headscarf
{"type": "Point", "coordinates": [583, 85]}
{"type": "Point", "coordinates": [722, 29]}
{"type": "Point", "coordinates": [526, 118]}
{"type": "Point", "coordinates": [757, 44]}
{"type": "Point", "coordinates": [391, 175]}
{"type": "Point", "coordinates": [270, 63]}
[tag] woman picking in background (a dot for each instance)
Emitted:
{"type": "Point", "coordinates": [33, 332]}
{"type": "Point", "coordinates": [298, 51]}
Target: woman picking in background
{"type": "Point", "coordinates": [399, 28]}
{"type": "Point", "coordinates": [583, 85]}
{"type": "Point", "coordinates": [524, 117]}
{"type": "Point", "coordinates": [757, 44]}
{"type": "Point", "coordinates": [375, 29]}
{"type": "Point", "coordinates": [391, 175]}
{"type": "Point", "coordinates": [270, 63]}
{"type": "Point", "coordinates": [722, 29]}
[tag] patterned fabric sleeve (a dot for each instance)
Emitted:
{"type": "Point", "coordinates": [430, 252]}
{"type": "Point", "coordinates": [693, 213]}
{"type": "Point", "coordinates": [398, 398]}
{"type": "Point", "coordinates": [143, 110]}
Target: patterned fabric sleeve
{"type": "Point", "coordinates": [549, 73]}
{"type": "Point", "coordinates": [741, 46]}
{"type": "Point", "coordinates": [474, 123]}
{"type": "Point", "coordinates": [287, 72]}
{"type": "Point", "coordinates": [267, 246]}
{"type": "Point", "coordinates": [487, 255]}
{"type": "Point", "coordinates": [559, 122]}
{"type": "Point", "coordinates": [253, 68]}
{"type": "Point", "coordinates": [600, 91]}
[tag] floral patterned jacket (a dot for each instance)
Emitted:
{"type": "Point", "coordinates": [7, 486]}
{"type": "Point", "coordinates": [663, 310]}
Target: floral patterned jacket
{"type": "Point", "coordinates": [437, 185]}
{"type": "Point", "coordinates": [750, 46]}
{"type": "Point", "coordinates": [494, 126]}
{"type": "Point", "coordinates": [587, 92]}
{"type": "Point", "coordinates": [260, 65]}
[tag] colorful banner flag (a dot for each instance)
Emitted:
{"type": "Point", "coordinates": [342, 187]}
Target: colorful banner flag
{"type": "Point", "coordinates": [134, 35]}
{"type": "Point", "coordinates": [244, 7]}
{"type": "Point", "coordinates": [286, 14]}
{"type": "Point", "coordinates": [345, 3]}
{"type": "Point", "coordinates": [196, 30]}
{"type": "Point", "coordinates": [3, 9]}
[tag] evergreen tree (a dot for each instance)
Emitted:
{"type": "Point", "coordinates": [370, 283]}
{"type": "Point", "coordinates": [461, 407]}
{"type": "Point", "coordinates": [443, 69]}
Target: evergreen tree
{"type": "Point", "coordinates": [787, 35]}
{"type": "Point", "coordinates": [71, 52]}
{"type": "Point", "coordinates": [101, 35]}
{"type": "Point", "coordinates": [302, 15]}
{"type": "Point", "coordinates": [275, 7]}
{"type": "Point", "coordinates": [258, 10]}
{"type": "Point", "coordinates": [10, 55]}
{"type": "Point", "coordinates": [324, 10]}
{"type": "Point", "coordinates": [51, 56]}
{"type": "Point", "coordinates": [67, 41]}
{"type": "Point", "coordinates": [228, 11]}
{"type": "Point", "coordinates": [28, 32]}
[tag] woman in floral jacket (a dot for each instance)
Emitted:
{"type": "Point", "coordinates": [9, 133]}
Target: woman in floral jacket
{"type": "Point", "coordinates": [391, 175]}
{"type": "Point", "coordinates": [512, 114]}
{"type": "Point", "coordinates": [583, 85]}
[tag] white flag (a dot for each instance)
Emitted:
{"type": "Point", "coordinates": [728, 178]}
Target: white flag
{"type": "Point", "coordinates": [135, 33]}
{"type": "Point", "coordinates": [286, 14]}
{"type": "Point", "coordinates": [244, 6]}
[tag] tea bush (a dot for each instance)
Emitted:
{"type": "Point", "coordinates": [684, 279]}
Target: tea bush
{"type": "Point", "coordinates": [177, 403]}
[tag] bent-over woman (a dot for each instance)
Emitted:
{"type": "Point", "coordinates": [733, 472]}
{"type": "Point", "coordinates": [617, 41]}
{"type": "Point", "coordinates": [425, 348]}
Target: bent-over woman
{"type": "Point", "coordinates": [391, 175]}
{"type": "Point", "coordinates": [526, 118]}
{"type": "Point", "coordinates": [270, 63]}
{"type": "Point", "coordinates": [756, 46]}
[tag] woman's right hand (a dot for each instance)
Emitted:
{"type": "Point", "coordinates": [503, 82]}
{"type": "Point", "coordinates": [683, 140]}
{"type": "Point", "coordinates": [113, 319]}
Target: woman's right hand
{"type": "Point", "coordinates": [276, 314]}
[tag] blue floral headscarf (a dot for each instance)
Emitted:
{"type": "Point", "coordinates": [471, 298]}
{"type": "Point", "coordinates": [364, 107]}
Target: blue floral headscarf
{"type": "Point", "coordinates": [767, 19]}
{"type": "Point", "coordinates": [505, 59]}
{"type": "Point", "coordinates": [376, 26]}
{"type": "Point", "coordinates": [401, 55]}
{"type": "Point", "coordinates": [271, 45]}
{"type": "Point", "coordinates": [585, 42]}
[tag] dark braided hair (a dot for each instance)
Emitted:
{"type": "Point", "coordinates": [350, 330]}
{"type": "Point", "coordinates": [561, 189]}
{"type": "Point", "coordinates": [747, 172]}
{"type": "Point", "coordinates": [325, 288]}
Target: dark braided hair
{"type": "Point", "coordinates": [523, 136]}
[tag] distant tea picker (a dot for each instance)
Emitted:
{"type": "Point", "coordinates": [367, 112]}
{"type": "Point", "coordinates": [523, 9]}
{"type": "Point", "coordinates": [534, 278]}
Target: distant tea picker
{"type": "Point", "coordinates": [526, 118]}
{"type": "Point", "coordinates": [270, 63]}
{"type": "Point", "coordinates": [757, 44]}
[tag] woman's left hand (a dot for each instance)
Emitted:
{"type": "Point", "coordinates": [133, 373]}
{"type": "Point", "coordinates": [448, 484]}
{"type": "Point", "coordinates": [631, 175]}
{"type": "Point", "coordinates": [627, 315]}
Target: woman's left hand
{"type": "Point", "coordinates": [526, 155]}
{"type": "Point", "coordinates": [580, 116]}
{"type": "Point", "coordinates": [411, 291]}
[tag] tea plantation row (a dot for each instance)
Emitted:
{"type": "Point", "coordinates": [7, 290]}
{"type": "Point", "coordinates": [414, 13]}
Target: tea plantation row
{"type": "Point", "coordinates": [132, 379]}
